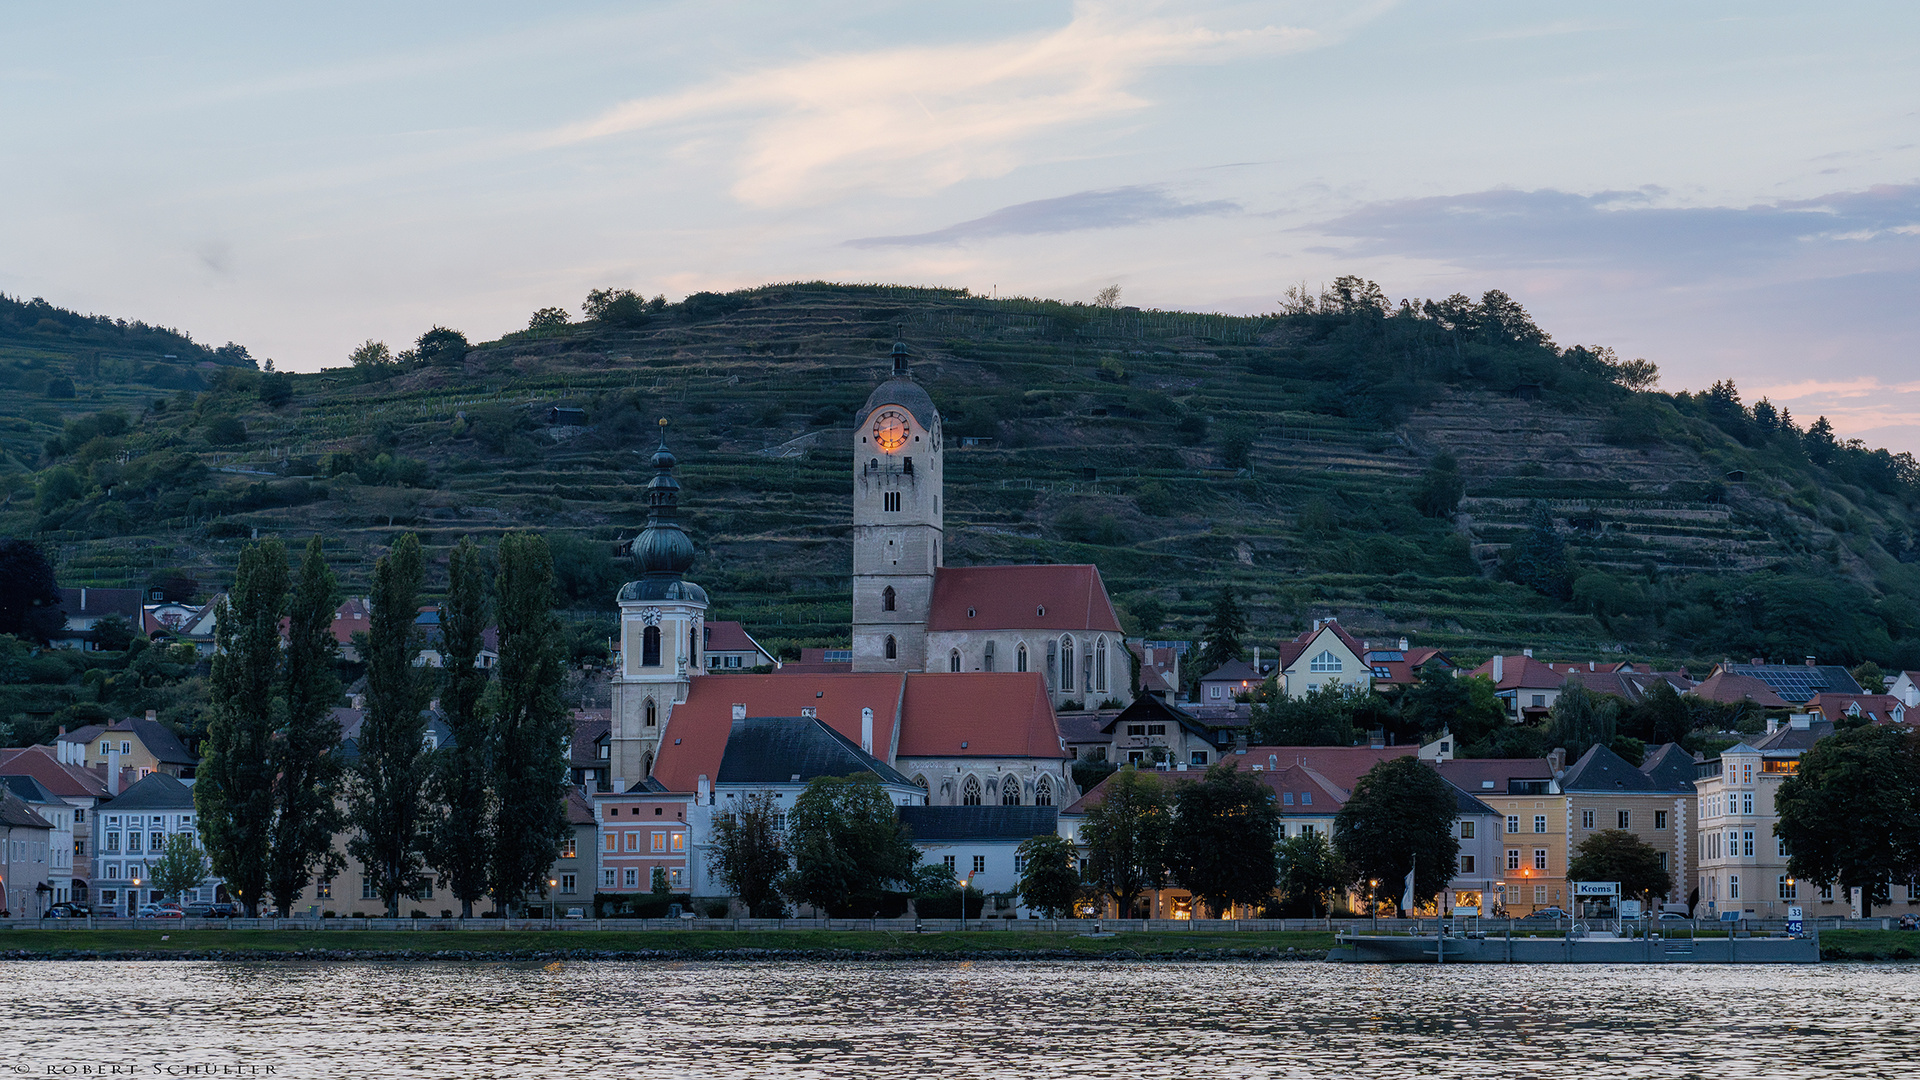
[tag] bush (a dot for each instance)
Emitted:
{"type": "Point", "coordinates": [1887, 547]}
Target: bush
{"type": "Point", "coordinates": [442, 346]}
{"type": "Point", "coordinates": [710, 305]}
{"type": "Point", "coordinates": [615, 307]}
{"type": "Point", "coordinates": [226, 431]}
{"type": "Point", "coordinates": [946, 905]}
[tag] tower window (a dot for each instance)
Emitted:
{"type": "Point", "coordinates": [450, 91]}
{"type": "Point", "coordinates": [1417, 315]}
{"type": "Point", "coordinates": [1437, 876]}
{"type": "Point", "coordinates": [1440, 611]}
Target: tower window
{"type": "Point", "coordinates": [650, 647]}
{"type": "Point", "coordinates": [987, 656]}
{"type": "Point", "coordinates": [1020, 658]}
{"type": "Point", "coordinates": [1100, 665]}
{"type": "Point", "coordinates": [1066, 663]}
{"type": "Point", "coordinates": [653, 714]}
{"type": "Point", "coordinates": [886, 599]}
{"type": "Point", "coordinates": [893, 650]}
{"type": "Point", "coordinates": [890, 500]}
{"type": "Point", "coordinates": [953, 660]}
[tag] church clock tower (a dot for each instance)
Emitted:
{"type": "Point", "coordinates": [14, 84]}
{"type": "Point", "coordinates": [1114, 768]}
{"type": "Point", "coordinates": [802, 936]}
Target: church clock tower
{"type": "Point", "coordinates": [661, 619]}
{"type": "Point", "coordinates": [897, 533]}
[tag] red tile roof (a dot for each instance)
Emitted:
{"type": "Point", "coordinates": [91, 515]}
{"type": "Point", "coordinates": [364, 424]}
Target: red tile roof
{"type": "Point", "coordinates": [1728, 689]}
{"type": "Point", "coordinates": [1342, 765]}
{"type": "Point", "coordinates": [729, 637]}
{"type": "Point", "coordinates": [62, 779]}
{"type": "Point", "coordinates": [1068, 597]}
{"type": "Point", "coordinates": [697, 729]}
{"type": "Point", "coordinates": [1403, 672]}
{"type": "Point", "coordinates": [997, 714]}
{"type": "Point", "coordinates": [1523, 673]}
{"type": "Point", "coordinates": [1877, 707]}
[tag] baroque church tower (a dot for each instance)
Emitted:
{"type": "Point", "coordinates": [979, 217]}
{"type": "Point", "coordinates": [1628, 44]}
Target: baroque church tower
{"type": "Point", "coordinates": [661, 619]}
{"type": "Point", "coordinates": [898, 537]}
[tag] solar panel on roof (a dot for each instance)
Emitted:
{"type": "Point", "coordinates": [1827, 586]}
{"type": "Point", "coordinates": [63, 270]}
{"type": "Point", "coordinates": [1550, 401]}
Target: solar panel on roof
{"type": "Point", "coordinates": [1386, 657]}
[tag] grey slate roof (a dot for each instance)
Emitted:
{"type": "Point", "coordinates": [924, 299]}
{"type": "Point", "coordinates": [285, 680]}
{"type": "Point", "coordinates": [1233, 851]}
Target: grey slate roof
{"type": "Point", "coordinates": [1602, 770]}
{"type": "Point", "coordinates": [1466, 804]}
{"type": "Point", "coordinates": [155, 791]}
{"type": "Point", "coordinates": [903, 392]}
{"type": "Point", "coordinates": [351, 719]}
{"type": "Point", "coordinates": [1793, 738]}
{"type": "Point", "coordinates": [1670, 768]}
{"type": "Point", "coordinates": [29, 789]}
{"type": "Point", "coordinates": [15, 812]}
{"type": "Point", "coordinates": [795, 749]}
{"type": "Point", "coordinates": [980, 822]}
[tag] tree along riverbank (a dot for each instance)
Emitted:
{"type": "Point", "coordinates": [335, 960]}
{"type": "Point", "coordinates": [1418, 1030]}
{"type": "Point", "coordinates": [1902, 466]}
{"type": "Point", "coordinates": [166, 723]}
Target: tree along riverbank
{"type": "Point", "coordinates": [162, 944]}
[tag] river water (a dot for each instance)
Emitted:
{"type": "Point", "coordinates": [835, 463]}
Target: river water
{"type": "Point", "coordinates": [980, 1019]}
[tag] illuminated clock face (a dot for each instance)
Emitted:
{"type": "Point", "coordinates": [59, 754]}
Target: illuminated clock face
{"type": "Point", "coordinates": [890, 431]}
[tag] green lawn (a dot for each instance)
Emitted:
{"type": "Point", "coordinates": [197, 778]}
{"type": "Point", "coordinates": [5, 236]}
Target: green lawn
{"type": "Point", "coordinates": [1869, 945]}
{"type": "Point", "coordinates": [719, 943]}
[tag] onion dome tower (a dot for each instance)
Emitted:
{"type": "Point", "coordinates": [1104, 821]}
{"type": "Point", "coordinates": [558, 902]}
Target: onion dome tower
{"type": "Point", "coordinates": [662, 624]}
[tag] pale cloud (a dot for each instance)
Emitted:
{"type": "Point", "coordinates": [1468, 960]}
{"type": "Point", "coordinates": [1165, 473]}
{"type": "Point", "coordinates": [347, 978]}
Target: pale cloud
{"type": "Point", "coordinates": [1113, 209]}
{"type": "Point", "coordinates": [919, 118]}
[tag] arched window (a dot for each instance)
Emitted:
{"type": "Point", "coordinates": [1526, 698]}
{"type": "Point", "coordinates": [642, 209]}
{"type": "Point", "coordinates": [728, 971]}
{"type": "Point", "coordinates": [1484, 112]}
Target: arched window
{"type": "Point", "coordinates": [1043, 792]}
{"type": "Point", "coordinates": [693, 646]}
{"type": "Point", "coordinates": [1020, 657]}
{"type": "Point", "coordinates": [1100, 665]}
{"type": "Point", "coordinates": [1066, 663]}
{"type": "Point", "coordinates": [646, 764]}
{"type": "Point", "coordinates": [893, 650]}
{"type": "Point", "coordinates": [1326, 661]}
{"type": "Point", "coordinates": [922, 781]}
{"type": "Point", "coordinates": [970, 792]}
{"type": "Point", "coordinates": [650, 647]}
{"type": "Point", "coordinates": [653, 714]}
{"type": "Point", "coordinates": [1009, 792]}
{"type": "Point", "coordinates": [953, 660]}
{"type": "Point", "coordinates": [986, 657]}
{"type": "Point", "coordinates": [886, 599]}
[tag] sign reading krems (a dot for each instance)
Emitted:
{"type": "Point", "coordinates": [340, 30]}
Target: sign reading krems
{"type": "Point", "coordinates": [1595, 888]}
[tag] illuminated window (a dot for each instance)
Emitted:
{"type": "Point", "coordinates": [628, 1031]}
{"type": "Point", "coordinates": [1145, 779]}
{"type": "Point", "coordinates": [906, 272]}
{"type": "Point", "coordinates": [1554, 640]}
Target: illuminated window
{"type": "Point", "coordinates": [569, 848]}
{"type": "Point", "coordinates": [678, 842]}
{"type": "Point", "coordinates": [659, 841]}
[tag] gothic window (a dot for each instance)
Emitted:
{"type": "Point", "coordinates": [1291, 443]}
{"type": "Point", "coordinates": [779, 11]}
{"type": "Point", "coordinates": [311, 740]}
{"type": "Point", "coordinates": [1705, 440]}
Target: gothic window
{"type": "Point", "coordinates": [653, 714]}
{"type": "Point", "coordinates": [970, 793]}
{"type": "Point", "coordinates": [650, 647]}
{"type": "Point", "coordinates": [646, 763]}
{"type": "Point", "coordinates": [886, 599]}
{"type": "Point", "coordinates": [987, 657]}
{"type": "Point", "coordinates": [1100, 665]}
{"type": "Point", "coordinates": [1009, 792]}
{"type": "Point", "coordinates": [1043, 793]}
{"type": "Point", "coordinates": [1066, 663]}
{"type": "Point", "coordinates": [922, 781]}
{"type": "Point", "coordinates": [1326, 661]}
{"type": "Point", "coordinates": [890, 500]}
{"type": "Point", "coordinates": [893, 650]}
{"type": "Point", "coordinates": [1020, 657]}
{"type": "Point", "coordinates": [953, 660]}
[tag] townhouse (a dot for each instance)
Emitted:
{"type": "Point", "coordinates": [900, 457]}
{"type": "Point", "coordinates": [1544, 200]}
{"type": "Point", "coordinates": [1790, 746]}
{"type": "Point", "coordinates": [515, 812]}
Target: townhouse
{"type": "Point", "coordinates": [1654, 802]}
{"type": "Point", "coordinates": [1526, 795]}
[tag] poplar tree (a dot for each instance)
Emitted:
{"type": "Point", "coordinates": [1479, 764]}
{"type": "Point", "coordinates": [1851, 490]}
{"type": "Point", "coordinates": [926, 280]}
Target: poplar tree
{"type": "Point", "coordinates": [390, 774]}
{"type": "Point", "coordinates": [233, 795]}
{"type": "Point", "coordinates": [531, 725]}
{"type": "Point", "coordinates": [462, 772]}
{"type": "Point", "coordinates": [306, 784]}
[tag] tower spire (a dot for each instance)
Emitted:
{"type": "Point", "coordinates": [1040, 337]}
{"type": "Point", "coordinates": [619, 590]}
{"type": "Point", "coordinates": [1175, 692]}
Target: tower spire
{"type": "Point", "coordinates": [662, 548]}
{"type": "Point", "coordinates": [900, 361]}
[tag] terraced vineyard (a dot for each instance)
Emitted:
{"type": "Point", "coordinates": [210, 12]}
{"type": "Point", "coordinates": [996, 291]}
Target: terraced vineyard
{"type": "Point", "coordinates": [1077, 434]}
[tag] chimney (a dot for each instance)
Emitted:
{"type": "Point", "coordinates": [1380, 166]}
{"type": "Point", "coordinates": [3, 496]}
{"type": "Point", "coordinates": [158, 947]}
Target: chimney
{"type": "Point", "coordinates": [739, 710]}
{"type": "Point", "coordinates": [1256, 659]}
{"type": "Point", "coordinates": [1499, 668]}
{"type": "Point", "coordinates": [433, 705]}
{"type": "Point", "coordinates": [1913, 694]}
{"type": "Point", "coordinates": [1273, 762]}
{"type": "Point", "coordinates": [1528, 653]}
{"type": "Point", "coordinates": [152, 715]}
{"type": "Point", "coordinates": [1773, 724]}
{"type": "Point", "coordinates": [359, 701]}
{"type": "Point", "coordinates": [703, 791]}
{"type": "Point", "coordinates": [1403, 644]}
{"type": "Point", "coordinates": [866, 730]}
{"type": "Point", "coordinates": [113, 769]}
{"type": "Point", "coordinates": [1810, 662]}
{"type": "Point", "coordinates": [1800, 721]}
{"type": "Point", "coordinates": [83, 598]}
{"type": "Point", "coordinates": [1557, 759]}
{"type": "Point", "coordinates": [1240, 742]}
{"type": "Point", "coordinates": [63, 731]}
{"type": "Point", "coordinates": [1590, 666]}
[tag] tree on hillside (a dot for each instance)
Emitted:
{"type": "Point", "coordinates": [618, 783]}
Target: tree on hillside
{"type": "Point", "coordinates": [442, 346]}
{"type": "Point", "coordinates": [29, 594]}
{"type": "Point", "coordinates": [462, 772]}
{"type": "Point", "coordinates": [1870, 677]}
{"type": "Point", "coordinates": [1659, 717]}
{"type": "Point", "coordinates": [1538, 559]}
{"type": "Point", "coordinates": [372, 360]}
{"type": "Point", "coordinates": [531, 724]}
{"type": "Point", "coordinates": [748, 858]}
{"type": "Point", "coordinates": [389, 776]}
{"type": "Point", "coordinates": [1226, 624]}
{"type": "Point", "coordinates": [616, 307]}
{"type": "Point", "coordinates": [1311, 874]}
{"type": "Point", "coordinates": [1580, 720]}
{"type": "Point", "coordinates": [1441, 487]}
{"type": "Point", "coordinates": [1225, 829]}
{"type": "Point", "coordinates": [1469, 707]}
{"type": "Point", "coordinates": [1820, 443]}
{"type": "Point", "coordinates": [1050, 882]}
{"type": "Point", "coordinates": [548, 318]}
{"type": "Point", "coordinates": [1618, 855]}
{"type": "Point", "coordinates": [848, 846]}
{"type": "Point", "coordinates": [306, 765]}
{"type": "Point", "coordinates": [1126, 837]}
{"type": "Point", "coordinates": [233, 792]}
{"type": "Point", "coordinates": [181, 866]}
{"type": "Point", "coordinates": [1850, 814]}
{"type": "Point", "coordinates": [1399, 818]}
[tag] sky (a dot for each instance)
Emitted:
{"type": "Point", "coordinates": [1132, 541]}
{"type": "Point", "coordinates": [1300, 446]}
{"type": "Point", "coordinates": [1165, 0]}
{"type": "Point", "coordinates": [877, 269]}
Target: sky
{"type": "Point", "coordinates": [1731, 190]}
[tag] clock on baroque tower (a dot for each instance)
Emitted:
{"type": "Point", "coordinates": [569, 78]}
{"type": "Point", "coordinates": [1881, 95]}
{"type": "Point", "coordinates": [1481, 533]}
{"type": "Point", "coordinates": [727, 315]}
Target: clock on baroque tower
{"type": "Point", "coordinates": [897, 531]}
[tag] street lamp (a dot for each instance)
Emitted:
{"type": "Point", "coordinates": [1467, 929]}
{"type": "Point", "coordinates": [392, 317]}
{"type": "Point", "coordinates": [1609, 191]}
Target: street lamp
{"type": "Point", "coordinates": [133, 899]}
{"type": "Point", "coordinates": [552, 883]}
{"type": "Point", "coordinates": [1373, 900]}
{"type": "Point", "coordinates": [964, 886]}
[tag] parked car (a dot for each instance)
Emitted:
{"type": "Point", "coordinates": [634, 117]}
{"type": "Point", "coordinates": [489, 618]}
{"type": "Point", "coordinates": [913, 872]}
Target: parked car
{"type": "Point", "coordinates": [576, 913]}
{"type": "Point", "coordinates": [1548, 913]}
{"type": "Point", "coordinates": [208, 911]}
{"type": "Point", "coordinates": [1672, 916]}
{"type": "Point", "coordinates": [69, 910]}
{"type": "Point", "coordinates": [158, 911]}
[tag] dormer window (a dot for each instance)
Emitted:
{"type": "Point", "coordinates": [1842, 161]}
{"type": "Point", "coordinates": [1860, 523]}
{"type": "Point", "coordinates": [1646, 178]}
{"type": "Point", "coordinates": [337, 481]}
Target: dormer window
{"type": "Point", "coordinates": [1325, 662]}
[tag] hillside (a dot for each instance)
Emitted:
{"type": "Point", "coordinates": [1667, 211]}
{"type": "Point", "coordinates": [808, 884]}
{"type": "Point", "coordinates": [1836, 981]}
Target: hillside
{"type": "Point", "coordinates": [1302, 458]}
